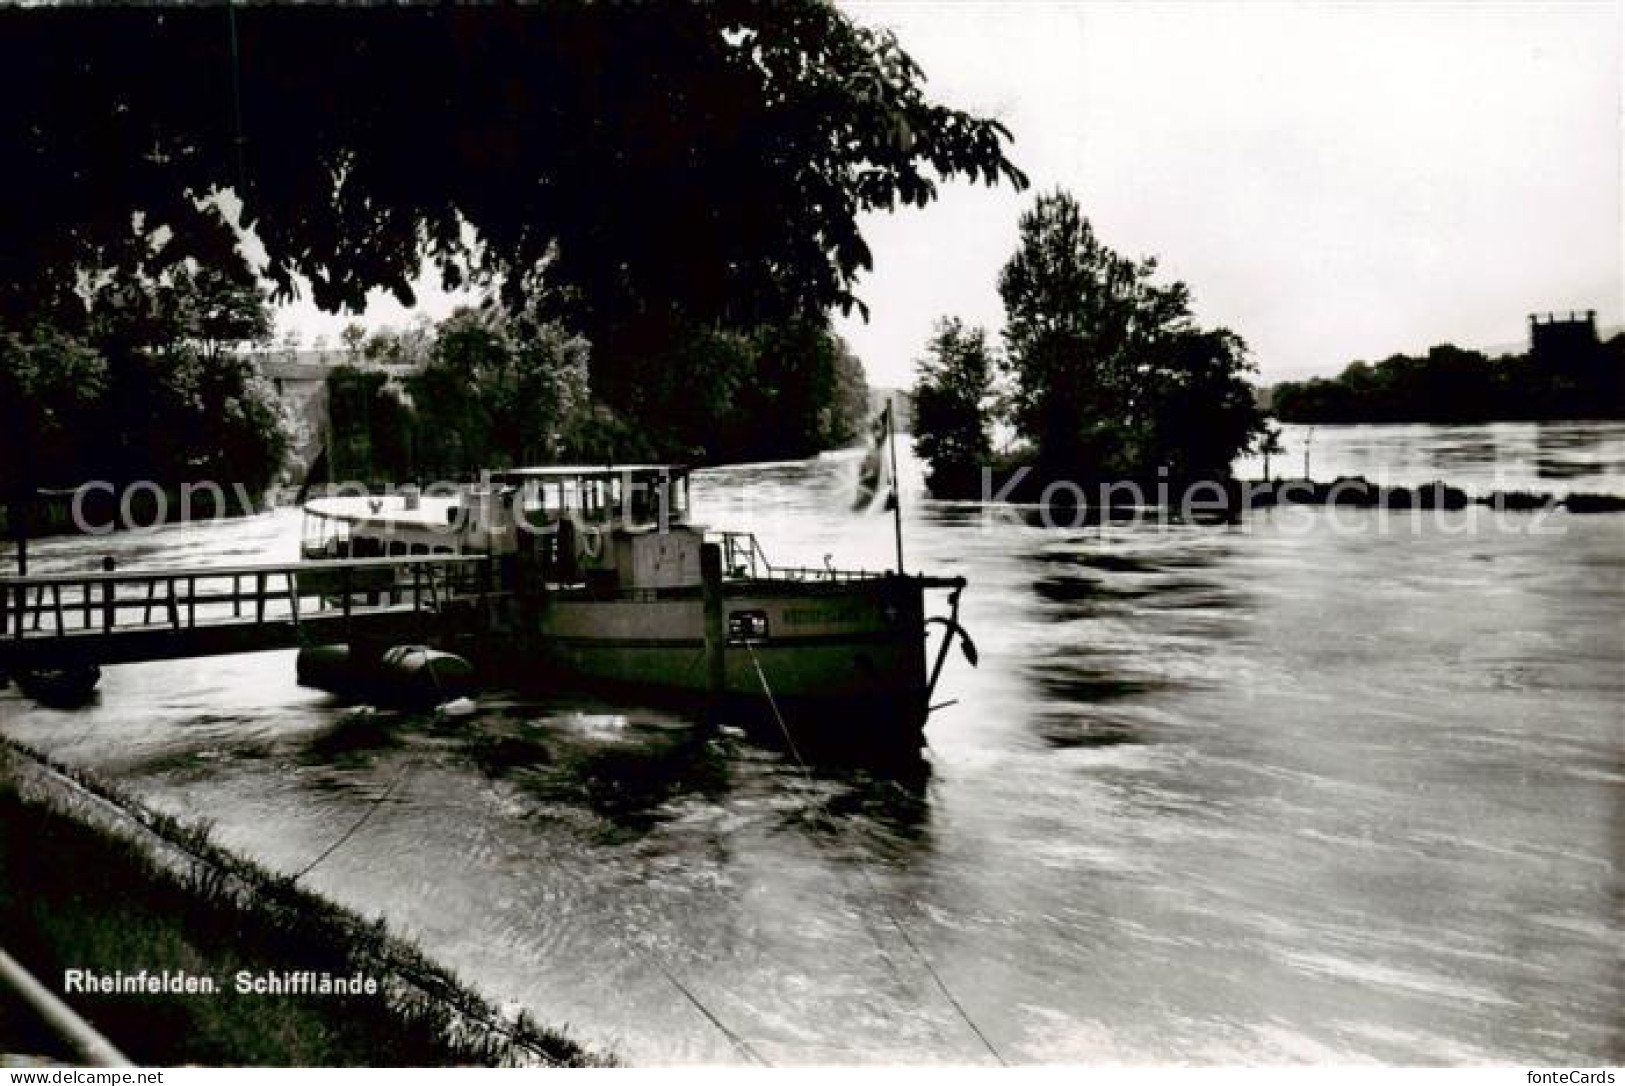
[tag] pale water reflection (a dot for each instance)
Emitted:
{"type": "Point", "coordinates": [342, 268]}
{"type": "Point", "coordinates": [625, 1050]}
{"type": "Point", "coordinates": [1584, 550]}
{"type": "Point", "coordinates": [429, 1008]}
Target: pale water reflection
{"type": "Point", "coordinates": [1214, 794]}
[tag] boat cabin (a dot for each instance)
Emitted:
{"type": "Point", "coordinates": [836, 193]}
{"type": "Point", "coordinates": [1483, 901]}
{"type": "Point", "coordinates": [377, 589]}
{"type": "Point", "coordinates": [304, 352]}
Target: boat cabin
{"type": "Point", "coordinates": [636, 496]}
{"type": "Point", "coordinates": [617, 527]}
{"type": "Point", "coordinates": [610, 528]}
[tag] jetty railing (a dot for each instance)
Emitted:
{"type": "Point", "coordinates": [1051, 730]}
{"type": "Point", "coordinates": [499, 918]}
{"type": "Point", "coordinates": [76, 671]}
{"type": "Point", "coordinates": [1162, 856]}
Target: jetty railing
{"type": "Point", "coordinates": [105, 603]}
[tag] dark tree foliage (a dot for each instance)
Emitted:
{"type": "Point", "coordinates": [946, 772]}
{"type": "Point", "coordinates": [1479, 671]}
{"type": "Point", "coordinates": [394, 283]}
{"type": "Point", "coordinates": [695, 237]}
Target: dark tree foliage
{"type": "Point", "coordinates": [638, 172]}
{"type": "Point", "coordinates": [841, 422]}
{"type": "Point", "coordinates": [368, 425]}
{"type": "Point", "coordinates": [1195, 412]}
{"type": "Point", "coordinates": [51, 385]}
{"type": "Point", "coordinates": [779, 391]}
{"type": "Point", "coordinates": [1452, 385]}
{"type": "Point", "coordinates": [500, 390]}
{"type": "Point", "coordinates": [788, 411]}
{"type": "Point", "coordinates": [1111, 376]}
{"type": "Point", "coordinates": [632, 164]}
{"type": "Point", "coordinates": [149, 387]}
{"type": "Point", "coordinates": [952, 406]}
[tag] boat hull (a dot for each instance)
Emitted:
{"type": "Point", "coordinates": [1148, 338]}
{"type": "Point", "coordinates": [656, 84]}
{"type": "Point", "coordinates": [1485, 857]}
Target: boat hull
{"type": "Point", "coordinates": [857, 647]}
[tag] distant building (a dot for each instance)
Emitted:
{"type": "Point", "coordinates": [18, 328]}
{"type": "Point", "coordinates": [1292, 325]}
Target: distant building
{"type": "Point", "coordinates": [1563, 340]}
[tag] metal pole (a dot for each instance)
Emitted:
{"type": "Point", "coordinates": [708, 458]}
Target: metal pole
{"type": "Point", "coordinates": [90, 1046]}
{"type": "Point", "coordinates": [896, 485]}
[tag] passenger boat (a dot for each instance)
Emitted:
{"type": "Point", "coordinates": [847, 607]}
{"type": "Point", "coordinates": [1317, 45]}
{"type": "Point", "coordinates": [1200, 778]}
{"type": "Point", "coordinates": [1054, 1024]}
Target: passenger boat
{"type": "Point", "coordinates": [605, 580]}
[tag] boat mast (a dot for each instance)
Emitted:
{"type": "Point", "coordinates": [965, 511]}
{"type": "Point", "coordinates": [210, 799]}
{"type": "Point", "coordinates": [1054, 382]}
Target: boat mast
{"type": "Point", "coordinates": [896, 487]}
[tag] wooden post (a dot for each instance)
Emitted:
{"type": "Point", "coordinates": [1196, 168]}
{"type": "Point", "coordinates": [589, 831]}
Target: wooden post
{"type": "Point", "coordinates": [716, 672]}
{"type": "Point", "coordinates": [19, 532]}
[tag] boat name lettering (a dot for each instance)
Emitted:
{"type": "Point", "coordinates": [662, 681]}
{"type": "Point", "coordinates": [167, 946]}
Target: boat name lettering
{"type": "Point", "coordinates": [808, 616]}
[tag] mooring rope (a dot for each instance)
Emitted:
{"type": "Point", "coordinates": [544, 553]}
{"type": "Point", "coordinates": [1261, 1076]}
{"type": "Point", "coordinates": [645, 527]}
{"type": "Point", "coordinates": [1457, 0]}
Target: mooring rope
{"type": "Point", "coordinates": [741, 1045]}
{"type": "Point", "coordinates": [827, 818]}
{"type": "Point", "coordinates": [942, 985]}
{"type": "Point", "coordinates": [738, 1042]}
{"type": "Point", "coordinates": [355, 828]}
{"type": "Point", "coordinates": [373, 807]}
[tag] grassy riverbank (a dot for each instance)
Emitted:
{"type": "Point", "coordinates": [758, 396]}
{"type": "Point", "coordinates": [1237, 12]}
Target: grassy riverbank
{"type": "Point", "coordinates": [92, 880]}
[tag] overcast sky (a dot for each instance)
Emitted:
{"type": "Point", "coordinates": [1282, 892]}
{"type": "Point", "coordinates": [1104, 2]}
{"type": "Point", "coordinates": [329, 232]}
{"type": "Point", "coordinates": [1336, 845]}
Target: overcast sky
{"type": "Point", "coordinates": [1334, 181]}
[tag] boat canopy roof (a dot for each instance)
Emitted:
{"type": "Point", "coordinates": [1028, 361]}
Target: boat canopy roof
{"type": "Point", "coordinates": [627, 495]}
{"type": "Point", "coordinates": [554, 473]}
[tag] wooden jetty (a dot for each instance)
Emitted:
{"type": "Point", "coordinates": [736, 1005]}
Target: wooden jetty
{"type": "Point", "coordinates": [52, 621]}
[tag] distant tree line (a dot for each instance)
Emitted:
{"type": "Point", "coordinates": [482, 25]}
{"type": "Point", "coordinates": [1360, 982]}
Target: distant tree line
{"type": "Point", "coordinates": [1104, 373]}
{"type": "Point", "coordinates": [1452, 385]}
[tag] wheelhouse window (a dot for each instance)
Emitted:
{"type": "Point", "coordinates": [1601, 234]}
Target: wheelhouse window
{"type": "Point", "coordinates": [635, 498]}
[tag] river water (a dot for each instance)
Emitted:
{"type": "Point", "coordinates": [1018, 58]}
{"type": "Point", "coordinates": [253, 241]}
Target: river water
{"type": "Point", "coordinates": [1327, 785]}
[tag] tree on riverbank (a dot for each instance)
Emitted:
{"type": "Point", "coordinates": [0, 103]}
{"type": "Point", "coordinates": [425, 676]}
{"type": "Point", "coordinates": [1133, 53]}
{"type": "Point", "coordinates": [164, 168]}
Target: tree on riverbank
{"type": "Point", "coordinates": [951, 406]}
{"type": "Point", "coordinates": [499, 391]}
{"type": "Point", "coordinates": [1109, 375]}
